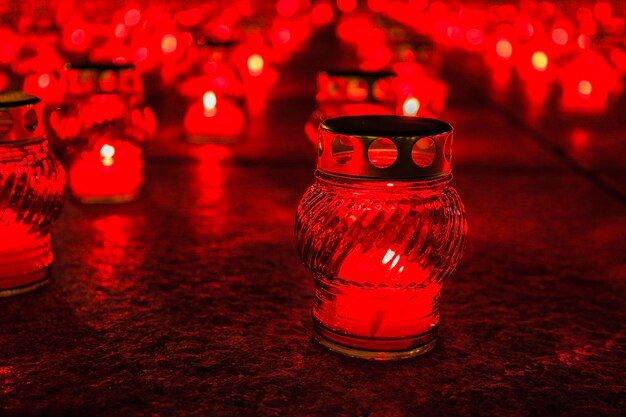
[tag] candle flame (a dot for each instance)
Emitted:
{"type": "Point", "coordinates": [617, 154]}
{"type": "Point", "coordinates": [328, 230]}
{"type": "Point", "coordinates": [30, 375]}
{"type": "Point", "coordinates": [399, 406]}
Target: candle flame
{"type": "Point", "coordinates": [209, 101]}
{"type": "Point", "coordinates": [411, 106]}
{"type": "Point", "coordinates": [255, 65]}
{"type": "Point", "coordinates": [169, 43]}
{"type": "Point", "coordinates": [585, 88]}
{"type": "Point", "coordinates": [540, 61]}
{"type": "Point", "coordinates": [504, 49]}
{"type": "Point", "coordinates": [44, 80]}
{"type": "Point", "coordinates": [107, 152]}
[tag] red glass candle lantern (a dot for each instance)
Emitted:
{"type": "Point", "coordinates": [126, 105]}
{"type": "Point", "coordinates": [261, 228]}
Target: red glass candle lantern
{"type": "Point", "coordinates": [31, 194]}
{"type": "Point", "coordinates": [212, 69]}
{"type": "Point", "coordinates": [104, 125]}
{"type": "Point", "coordinates": [213, 119]}
{"type": "Point", "coordinates": [380, 229]}
{"type": "Point", "coordinates": [351, 93]}
{"type": "Point", "coordinates": [588, 83]}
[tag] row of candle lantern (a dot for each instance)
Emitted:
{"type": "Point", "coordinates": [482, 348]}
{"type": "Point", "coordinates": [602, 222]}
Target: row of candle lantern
{"type": "Point", "coordinates": [96, 114]}
{"type": "Point", "coordinates": [168, 41]}
{"type": "Point", "coordinates": [580, 48]}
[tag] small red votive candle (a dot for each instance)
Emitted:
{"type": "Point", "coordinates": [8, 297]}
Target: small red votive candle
{"type": "Point", "coordinates": [380, 229]}
{"type": "Point", "coordinates": [213, 120]}
{"type": "Point", "coordinates": [31, 194]}
{"type": "Point", "coordinates": [104, 125]}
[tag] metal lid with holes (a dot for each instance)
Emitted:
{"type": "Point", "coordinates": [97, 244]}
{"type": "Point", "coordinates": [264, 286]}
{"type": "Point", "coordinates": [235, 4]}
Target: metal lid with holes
{"type": "Point", "coordinates": [385, 147]}
{"type": "Point", "coordinates": [355, 86]}
{"type": "Point", "coordinates": [104, 78]}
{"type": "Point", "coordinates": [20, 117]}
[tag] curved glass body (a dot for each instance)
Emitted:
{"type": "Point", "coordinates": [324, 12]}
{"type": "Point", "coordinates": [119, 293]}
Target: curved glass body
{"type": "Point", "coordinates": [31, 196]}
{"type": "Point", "coordinates": [380, 251]}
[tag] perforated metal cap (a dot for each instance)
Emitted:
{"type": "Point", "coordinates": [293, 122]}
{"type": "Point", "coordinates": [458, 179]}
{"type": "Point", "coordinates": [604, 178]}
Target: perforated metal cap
{"type": "Point", "coordinates": [385, 147]}
{"type": "Point", "coordinates": [21, 117]}
{"type": "Point", "coordinates": [102, 78]}
{"type": "Point", "coordinates": [355, 86]}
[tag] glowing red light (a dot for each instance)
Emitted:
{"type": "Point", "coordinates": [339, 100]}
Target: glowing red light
{"type": "Point", "coordinates": [540, 61]}
{"type": "Point", "coordinates": [560, 36]}
{"type": "Point", "coordinates": [504, 49]}
{"type": "Point", "coordinates": [8, 45]}
{"type": "Point", "coordinates": [78, 36]}
{"type": "Point", "coordinates": [121, 30]}
{"type": "Point", "coordinates": [44, 80]}
{"type": "Point", "coordinates": [322, 14]}
{"type": "Point", "coordinates": [255, 65]}
{"type": "Point", "coordinates": [209, 101]}
{"type": "Point", "coordinates": [97, 177]}
{"type": "Point", "coordinates": [603, 10]}
{"type": "Point", "coordinates": [525, 29]}
{"type": "Point", "coordinates": [221, 32]}
{"type": "Point", "coordinates": [169, 44]}
{"type": "Point", "coordinates": [455, 33]}
{"type": "Point", "coordinates": [287, 8]}
{"type": "Point", "coordinates": [583, 41]}
{"type": "Point", "coordinates": [346, 6]}
{"type": "Point", "coordinates": [618, 57]}
{"type": "Point", "coordinates": [283, 36]}
{"type": "Point", "coordinates": [474, 36]}
{"type": "Point", "coordinates": [419, 4]}
{"type": "Point", "coordinates": [132, 17]}
{"type": "Point", "coordinates": [411, 106]}
{"type": "Point", "coordinates": [106, 155]}
{"type": "Point", "coordinates": [141, 54]}
{"type": "Point", "coordinates": [212, 119]}
{"type": "Point", "coordinates": [377, 6]}
{"type": "Point", "coordinates": [107, 151]}
{"type": "Point", "coordinates": [585, 88]}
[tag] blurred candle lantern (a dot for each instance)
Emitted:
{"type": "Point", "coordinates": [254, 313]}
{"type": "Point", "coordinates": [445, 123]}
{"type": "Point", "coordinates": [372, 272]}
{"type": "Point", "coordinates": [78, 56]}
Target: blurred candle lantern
{"type": "Point", "coordinates": [418, 94]}
{"type": "Point", "coordinates": [351, 93]}
{"type": "Point", "coordinates": [380, 229]}
{"type": "Point", "coordinates": [103, 125]}
{"type": "Point", "coordinates": [48, 86]}
{"type": "Point", "coordinates": [31, 192]}
{"type": "Point", "coordinates": [212, 70]}
{"type": "Point", "coordinates": [588, 82]}
{"type": "Point", "coordinates": [213, 119]}
{"type": "Point", "coordinates": [257, 73]}
{"type": "Point", "coordinates": [252, 60]}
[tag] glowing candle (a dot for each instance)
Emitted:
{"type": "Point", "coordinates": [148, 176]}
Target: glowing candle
{"type": "Point", "coordinates": [104, 125]}
{"type": "Point", "coordinates": [367, 228]}
{"type": "Point", "coordinates": [112, 172]}
{"type": "Point", "coordinates": [255, 65]}
{"type": "Point", "coordinates": [411, 106]}
{"type": "Point", "coordinates": [31, 190]}
{"type": "Point", "coordinates": [588, 82]}
{"type": "Point", "coordinates": [213, 119]}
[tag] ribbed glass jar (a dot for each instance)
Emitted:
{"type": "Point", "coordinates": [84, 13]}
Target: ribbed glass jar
{"type": "Point", "coordinates": [380, 245]}
{"type": "Point", "coordinates": [31, 194]}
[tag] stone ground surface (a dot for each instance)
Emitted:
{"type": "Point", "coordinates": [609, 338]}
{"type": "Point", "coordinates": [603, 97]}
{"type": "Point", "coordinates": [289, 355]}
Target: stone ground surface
{"type": "Point", "coordinates": [192, 301]}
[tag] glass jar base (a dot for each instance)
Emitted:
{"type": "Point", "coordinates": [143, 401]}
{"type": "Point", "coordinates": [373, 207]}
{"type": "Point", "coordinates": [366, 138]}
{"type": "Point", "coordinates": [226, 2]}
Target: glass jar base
{"type": "Point", "coordinates": [24, 266]}
{"type": "Point", "coordinates": [375, 349]}
{"type": "Point", "coordinates": [218, 140]}
{"type": "Point", "coordinates": [38, 279]}
{"type": "Point", "coordinates": [111, 199]}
